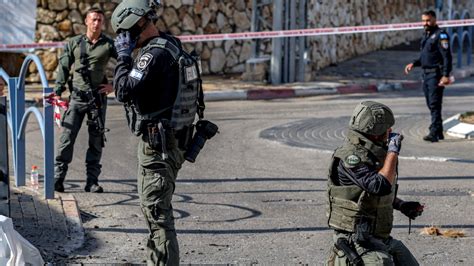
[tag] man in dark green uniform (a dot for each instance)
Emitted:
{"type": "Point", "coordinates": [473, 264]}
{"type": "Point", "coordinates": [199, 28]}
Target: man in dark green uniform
{"type": "Point", "coordinates": [362, 187]}
{"type": "Point", "coordinates": [161, 91]}
{"type": "Point", "coordinates": [89, 53]}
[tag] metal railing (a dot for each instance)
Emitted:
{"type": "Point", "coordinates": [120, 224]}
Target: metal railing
{"type": "Point", "coordinates": [18, 119]}
{"type": "Point", "coordinates": [4, 175]}
{"type": "Point", "coordinates": [461, 39]}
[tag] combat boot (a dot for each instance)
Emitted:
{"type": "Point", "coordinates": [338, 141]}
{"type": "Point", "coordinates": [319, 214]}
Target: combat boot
{"type": "Point", "coordinates": [431, 137]}
{"type": "Point", "coordinates": [440, 135]}
{"type": "Point", "coordinates": [58, 185]}
{"type": "Point", "coordinates": [93, 188]}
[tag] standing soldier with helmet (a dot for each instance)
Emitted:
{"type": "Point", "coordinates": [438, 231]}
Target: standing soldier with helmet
{"type": "Point", "coordinates": [162, 93]}
{"type": "Point", "coordinates": [362, 188]}
{"type": "Point", "coordinates": [89, 53]}
{"type": "Point", "coordinates": [436, 62]}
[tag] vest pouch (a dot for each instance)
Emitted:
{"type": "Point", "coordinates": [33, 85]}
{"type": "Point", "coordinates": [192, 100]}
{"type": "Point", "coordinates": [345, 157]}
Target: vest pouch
{"type": "Point", "coordinates": [160, 137]}
{"type": "Point", "coordinates": [184, 137]}
{"type": "Point", "coordinates": [363, 230]}
{"type": "Point", "coordinates": [133, 119]}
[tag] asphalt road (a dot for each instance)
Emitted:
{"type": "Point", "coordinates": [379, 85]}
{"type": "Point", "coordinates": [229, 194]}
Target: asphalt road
{"type": "Point", "coordinates": [254, 197]}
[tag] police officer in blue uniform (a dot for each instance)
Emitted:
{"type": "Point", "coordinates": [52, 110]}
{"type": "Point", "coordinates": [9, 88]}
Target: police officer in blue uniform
{"type": "Point", "coordinates": [436, 61]}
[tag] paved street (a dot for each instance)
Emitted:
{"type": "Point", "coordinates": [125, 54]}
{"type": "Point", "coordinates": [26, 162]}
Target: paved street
{"type": "Point", "coordinates": [257, 191]}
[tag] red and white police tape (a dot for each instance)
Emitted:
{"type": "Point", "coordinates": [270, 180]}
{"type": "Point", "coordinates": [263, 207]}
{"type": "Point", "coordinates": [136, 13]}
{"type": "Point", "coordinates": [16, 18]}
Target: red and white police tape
{"type": "Point", "coordinates": [270, 34]}
{"type": "Point", "coordinates": [58, 105]}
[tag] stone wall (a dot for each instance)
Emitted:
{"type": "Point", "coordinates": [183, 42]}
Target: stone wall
{"type": "Point", "coordinates": [58, 20]}
{"type": "Point", "coordinates": [326, 50]}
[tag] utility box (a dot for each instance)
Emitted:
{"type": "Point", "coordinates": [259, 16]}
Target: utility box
{"type": "Point", "coordinates": [4, 176]}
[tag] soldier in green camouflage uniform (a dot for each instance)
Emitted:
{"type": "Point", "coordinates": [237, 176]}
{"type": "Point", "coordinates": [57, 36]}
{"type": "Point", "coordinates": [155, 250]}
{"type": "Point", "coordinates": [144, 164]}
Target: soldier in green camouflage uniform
{"type": "Point", "coordinates": [96, 49]}
{"type": "Point", "coordinates": [362, 188]}
{"type": "Point", "coordinates": [151, 86]}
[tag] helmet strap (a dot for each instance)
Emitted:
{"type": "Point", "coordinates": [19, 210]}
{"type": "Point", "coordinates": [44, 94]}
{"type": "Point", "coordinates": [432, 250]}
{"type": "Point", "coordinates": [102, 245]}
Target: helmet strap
{"type": "Point", "coordinates": [136, 30]}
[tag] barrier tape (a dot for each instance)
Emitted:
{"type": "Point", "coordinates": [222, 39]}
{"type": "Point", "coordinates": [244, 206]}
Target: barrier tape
{"type": "Point", "coordinates": [58, 105]}
{"type": "Point", "coordinates": [271, 34]}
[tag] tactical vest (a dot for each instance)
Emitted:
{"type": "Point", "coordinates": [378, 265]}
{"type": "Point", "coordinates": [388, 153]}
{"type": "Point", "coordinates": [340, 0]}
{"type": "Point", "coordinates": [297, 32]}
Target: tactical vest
{"type": "Point", "coordinates": [349, 205]}
{"type": "Point", "coordinates": [189, 99]}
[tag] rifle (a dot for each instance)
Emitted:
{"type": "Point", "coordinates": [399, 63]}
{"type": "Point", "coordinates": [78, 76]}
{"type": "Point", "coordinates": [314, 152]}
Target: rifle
{"type": "Point", "coordinates": [95, 116]}
{"type": "Point", "coordinates": [94, 99]}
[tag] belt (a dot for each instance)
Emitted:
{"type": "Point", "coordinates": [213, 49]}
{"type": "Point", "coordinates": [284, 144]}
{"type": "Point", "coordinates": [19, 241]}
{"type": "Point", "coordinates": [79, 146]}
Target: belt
{"type": "Point", "coordinates": [84, 95]}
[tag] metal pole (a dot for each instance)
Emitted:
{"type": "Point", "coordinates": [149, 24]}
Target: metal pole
{"type": "Point", "coordinates": [276, 63]}
{"type": "Point", "coordinates": [254, 27]}
{"type": "Point", "coordinates": [18, 110]}
{"type": "Point", "coordinates": [450, 9]}
{"type": "Point", "coordinates": [19, 137]}
{"type": "Point", "coordinates": [292, 46]}
{"type": "Point", "coordinates": [12, 93]}
{"type": "Point", "coordinates": [286, 45]}
{"type": "Point", "coordinates": [302, 42]}
{"type": "Point", "coordinates": [48, 139]}
{"type": "Point", "coordinates": [4, 175]}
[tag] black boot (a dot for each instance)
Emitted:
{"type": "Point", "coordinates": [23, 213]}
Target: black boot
{"type": "Point", "coordinates": [431, 137]}
{"type": "Point", "coordinates": [93, 188]}
{"type": "Point", "coordinates": [440, 135]}
{"type": "Point", "coordinates": [58, 185]}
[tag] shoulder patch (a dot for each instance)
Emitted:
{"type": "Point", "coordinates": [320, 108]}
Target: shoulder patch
{"type": "Point", "coordinates": [144, 61]}
{"type": "Point", "coordinates": [445, 44]}
{"type": "Point", "coordinates": [352, 160]}
{"type": "Point", "coordinates": [433, 36]}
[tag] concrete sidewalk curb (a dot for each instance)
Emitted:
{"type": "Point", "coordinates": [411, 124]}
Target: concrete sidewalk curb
{"type": "Point", "coordinates": [309, 89]}
{"type": "Point", "coordinates": [316, 89]}
{"type": "Point", "coordinates": [455, 128]}
{"type": "Point", "coordinates": [306, 91]}
{"type": "Point", "coordinates": [74, 223]}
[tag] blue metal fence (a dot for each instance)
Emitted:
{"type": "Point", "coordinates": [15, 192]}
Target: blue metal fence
{"type": "Point", "coordinates": [18, 119]}
{"type": "Point", "coordinates": [461, 40]}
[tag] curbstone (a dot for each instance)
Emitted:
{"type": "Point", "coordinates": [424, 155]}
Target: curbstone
{"type": "Point", "coordinates": [262, 94]}
{"type": "Point", "coordinates": [455, 128]}
{"type": "Point", "coordinates": [304, 92]}
{"type": "Point", "coordinates": [308, 89]}
{"type": "Point", "coordinates": [357, 89]}
{"type": "Point", "coordinates": [451, 122]}
{"type": "Point", "coordinates": [411, 85]}
{"type": "Point", "coordinates": [74, 223]}
{"type": "Point", "coordinates": [234, 95]}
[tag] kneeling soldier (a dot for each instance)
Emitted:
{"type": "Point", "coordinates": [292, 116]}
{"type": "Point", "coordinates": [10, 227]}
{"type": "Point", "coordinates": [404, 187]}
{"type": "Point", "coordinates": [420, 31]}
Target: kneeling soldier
{"type": "Point", "coordinates": [362, 188]}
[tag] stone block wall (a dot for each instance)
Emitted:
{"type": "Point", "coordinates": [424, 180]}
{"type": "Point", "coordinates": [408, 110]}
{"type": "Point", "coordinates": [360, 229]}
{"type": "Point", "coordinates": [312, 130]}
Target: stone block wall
{"type": "Point", "coordinates": [325, 50]}
{"type": "Point", "coordinates": [58, 20]}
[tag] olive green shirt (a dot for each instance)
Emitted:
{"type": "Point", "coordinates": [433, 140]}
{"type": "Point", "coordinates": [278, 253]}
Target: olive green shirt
{"type": "Point", "coordinates": [98, 56]}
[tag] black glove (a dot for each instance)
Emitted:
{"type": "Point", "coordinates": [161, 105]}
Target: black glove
{"type": "Point", "coordinates": [124, 44]}
{"type": "Point", "coordinates": [411, 209]}
{"type": "Point", "coordinates": [395, 142]}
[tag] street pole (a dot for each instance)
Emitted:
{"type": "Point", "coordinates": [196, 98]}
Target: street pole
{"type": "Point", "coordinates": [276, 61]}
{"type": "Point", "coordinates": [4, 175]}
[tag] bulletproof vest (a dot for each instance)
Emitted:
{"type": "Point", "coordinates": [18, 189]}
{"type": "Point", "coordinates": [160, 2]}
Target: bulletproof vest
{"type": "Point", "coordinates": [189, 99]}
{"type": "Point", "coordinates": [350, 205]}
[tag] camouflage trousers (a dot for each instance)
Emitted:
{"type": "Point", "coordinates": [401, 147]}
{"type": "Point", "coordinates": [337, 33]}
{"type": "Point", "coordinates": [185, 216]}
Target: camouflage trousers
{"type": "Point", "coordinates": [71, 124]}
{"type": "Point", "coordinates": [388, 252]}
{"type": "Point", "coordinates": [156, 185]}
